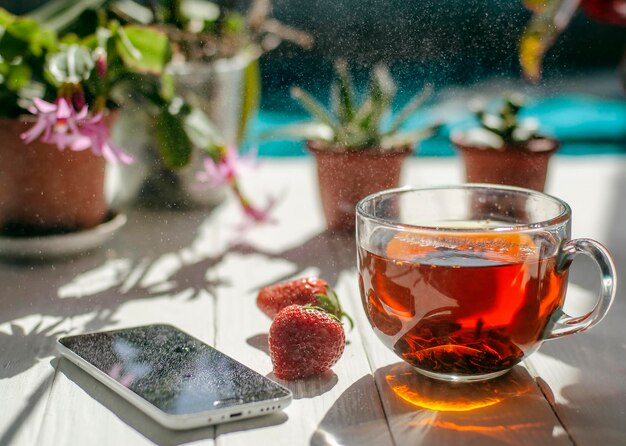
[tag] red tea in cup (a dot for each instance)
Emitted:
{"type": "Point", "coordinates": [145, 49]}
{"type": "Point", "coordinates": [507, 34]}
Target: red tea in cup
{"type": "Point", "coordinates": [474, 304]}
{"type": "Point", "coordinates": [465, 281]}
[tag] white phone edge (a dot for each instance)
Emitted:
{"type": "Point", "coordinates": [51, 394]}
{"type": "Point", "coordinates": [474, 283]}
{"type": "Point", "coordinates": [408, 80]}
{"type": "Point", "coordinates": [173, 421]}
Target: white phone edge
{"type": "Point", "coordinates": [178, 422]}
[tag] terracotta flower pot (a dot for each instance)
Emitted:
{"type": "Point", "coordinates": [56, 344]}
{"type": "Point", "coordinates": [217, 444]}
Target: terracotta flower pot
{"type": "Point", "coordinates": [346, 177]}
{"type": "Point", "coordinates": [44, 190]}
{"type": "Point", "coordinates": [514, 167]}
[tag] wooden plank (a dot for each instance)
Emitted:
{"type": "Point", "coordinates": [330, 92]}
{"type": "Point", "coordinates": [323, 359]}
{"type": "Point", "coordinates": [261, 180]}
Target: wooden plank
{"type": "Point", "coordinates": [341, 407]}
{"type": "Point", "coordinates": [191, 269]}
{"type": "Point", "coordinates": [510, 410]}
{"type": "Point", "coordinates": [25, 375]}
{"type": "Point", "coordinates": [80, 410]}
{"type": "Point", "coordinates": [584, 376]}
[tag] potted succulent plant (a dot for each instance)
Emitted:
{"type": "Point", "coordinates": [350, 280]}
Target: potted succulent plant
{"type": "Point", "coordinates": [505, 149]}
{"type": "Point", "coordinates": [55, 104]}
{"type": "Point", "coordinates": [355, 153]}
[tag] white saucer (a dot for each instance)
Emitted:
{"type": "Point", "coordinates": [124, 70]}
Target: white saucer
{"type": "Point", "coordinates": [62, 245]}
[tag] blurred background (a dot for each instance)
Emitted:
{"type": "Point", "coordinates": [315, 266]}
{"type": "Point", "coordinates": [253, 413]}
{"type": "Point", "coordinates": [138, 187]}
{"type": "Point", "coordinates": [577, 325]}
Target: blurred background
{"type": "Point", "coordinates": [463, 47]}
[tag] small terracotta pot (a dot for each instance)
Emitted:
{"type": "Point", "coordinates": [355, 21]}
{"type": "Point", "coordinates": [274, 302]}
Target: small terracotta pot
{"type": "Point", "coordinates": [43, 189]}
{"type": "Point", "coordinates": [510, 166]}
{"type": "Point", "coordinates": [346, 177]}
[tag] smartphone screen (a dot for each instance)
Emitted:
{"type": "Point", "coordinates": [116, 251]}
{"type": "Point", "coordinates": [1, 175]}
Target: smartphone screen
{"type": "Point", "coordinates": [173, 371]}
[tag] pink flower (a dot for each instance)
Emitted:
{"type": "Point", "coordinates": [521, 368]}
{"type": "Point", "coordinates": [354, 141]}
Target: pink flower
{"type": "Point", "coordinates": [226, 170]}
{"type": "Point", "coordinates": [257, 215]}
{"type": "Point", "coordinates": [56, 123]}
{"type": "Point", "coordinates": [94, 134]}
{"type": "Point", "coordinates": [60, 124]}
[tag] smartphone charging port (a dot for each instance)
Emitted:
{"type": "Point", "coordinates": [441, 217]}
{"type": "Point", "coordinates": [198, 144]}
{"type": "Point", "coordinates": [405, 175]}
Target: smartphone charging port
{"type": "Point", "coordinates": [236, 414]}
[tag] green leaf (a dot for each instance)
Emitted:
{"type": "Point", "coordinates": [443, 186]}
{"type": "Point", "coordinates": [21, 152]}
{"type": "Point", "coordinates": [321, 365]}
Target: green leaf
{"type": "Point", "coordinates": [19, 76]}
{"type": "Point", "coordinates": [12, 47]}
{"type": "Point", "coordinates": [201, 131]}
{"type": "Point", "coordinates": [416, 102]}
{"type": "Point", "coordinates": [251, 96]}
{"type": "Point", "coordinates": [6, 18]}
{"type": "Point", "coordinates": [305, 131]}
{"type": "Point", "coordinates": [234, 23]}
{"type": "Point", "coordinates": [313, 107]}
{"type": "Point", "coordinates": [345, 92]}
{"type": "Point", "coordinates": [168, 87]}
{"type": "Point", "coordinates": [407, 139]}
{"type": "Point", "coordinates": [16, 37]}
{"type": "Point", "coordinates": [382, 90]}
{"type": "Point", "coordinates": [44, 39]}
{"type": "Point", "coordinates": [143, 49]}
{"type": "Point", "coordinates": [58, 14]}
{"type": "Point", "coordinates": [174, 145]}
{"type": "Point", "coordinates": [129, 9]}
{"type": "Point", "coordinates": [71, 65]}
{"type": "Point", "coordinates": [23, 28]}
{"type": "Point", "coordinates": [329, 303]}
{"type": "Point", "coordinates": [382, 86]}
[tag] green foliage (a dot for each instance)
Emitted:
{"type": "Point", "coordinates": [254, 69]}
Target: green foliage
{"type": "Point", "coordinates": [58, 15]}
{"type": "Point", "coordinates": [36, 61]}
{"type": "Point", "coordinates": [62, 47]}
{"type": "Point", "coordinates": [503, 127]}
{"type": "Point", "coordinates": [142, 49]}
{"type": "Point", "coordinates": [174, 144]}
{"type": "Point", "coordinates": [355, 125]}
{"type": "Point", "coordinates": [24, 46]}
{"type": "Point", "coordinates": [72, 64]}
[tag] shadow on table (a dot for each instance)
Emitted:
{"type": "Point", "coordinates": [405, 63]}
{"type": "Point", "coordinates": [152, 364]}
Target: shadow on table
{"type": "Point", "coordinates": [331, 253]}
{"type": "Point", "coordinates": [97, 284]}
{"type": "Point", "coordinates": [356, 418]}
{"type": "Point", "coordinates": [300, 388]}
{"type": "Point", "coordinates": [33, 400]}
{"type": "Point", "coordinates": [145, 425]}
{"type": "Point", "coordinates": [310, 387]}
{"type": "Point", "coordinates": [592, 414]}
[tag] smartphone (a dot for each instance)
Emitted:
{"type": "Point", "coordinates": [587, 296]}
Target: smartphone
{"type": "Point", "coordinates": [173, 377]}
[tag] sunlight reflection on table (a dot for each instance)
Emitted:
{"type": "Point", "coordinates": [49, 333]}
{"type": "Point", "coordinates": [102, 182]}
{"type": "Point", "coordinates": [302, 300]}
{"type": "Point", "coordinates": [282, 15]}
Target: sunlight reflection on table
{"type": "Point", "coordinates": [506, 410]}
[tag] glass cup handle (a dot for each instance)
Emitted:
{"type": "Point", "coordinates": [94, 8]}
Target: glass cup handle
{"type": "Point", "coordinates": [565, 324]}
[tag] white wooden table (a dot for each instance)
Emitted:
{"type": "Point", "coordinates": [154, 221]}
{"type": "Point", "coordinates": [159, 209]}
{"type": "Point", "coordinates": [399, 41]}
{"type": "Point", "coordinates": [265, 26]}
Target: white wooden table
{"type": "Point", "coordinates": [191, 270]}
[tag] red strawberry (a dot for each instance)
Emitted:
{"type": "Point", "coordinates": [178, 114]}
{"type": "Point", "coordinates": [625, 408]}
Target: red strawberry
{"type": "Point", "coordinates": [305, 341]}
{"type": "Point", "coordinates": [274, 298]}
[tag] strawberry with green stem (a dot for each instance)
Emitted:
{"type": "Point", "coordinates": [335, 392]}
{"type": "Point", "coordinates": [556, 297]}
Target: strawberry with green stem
{"type": "Point", "coordinates": [306, 336]}
{"type": "Point", "coordinates": [311, 291]}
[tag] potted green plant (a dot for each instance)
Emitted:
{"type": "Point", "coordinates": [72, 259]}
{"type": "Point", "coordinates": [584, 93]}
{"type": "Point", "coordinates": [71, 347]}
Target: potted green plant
{"type": "Point", "coordinates": [203, 101]}
{"type": "Point", "coordinates": [187, 118]}
{"type": "Point", "coordinates": [355, 153]}
{"type": "Point", "coordinates": [504, 148]}
{"type": "Point", "coordinates": [55, 107]}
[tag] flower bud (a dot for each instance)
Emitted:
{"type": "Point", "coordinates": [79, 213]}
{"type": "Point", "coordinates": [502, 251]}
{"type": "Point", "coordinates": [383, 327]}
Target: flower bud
{"type": "Point", "coordinates": [100, 57]}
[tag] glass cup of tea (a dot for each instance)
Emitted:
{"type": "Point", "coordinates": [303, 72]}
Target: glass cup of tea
{"type": "Point", "coordinates": [463, 282]}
